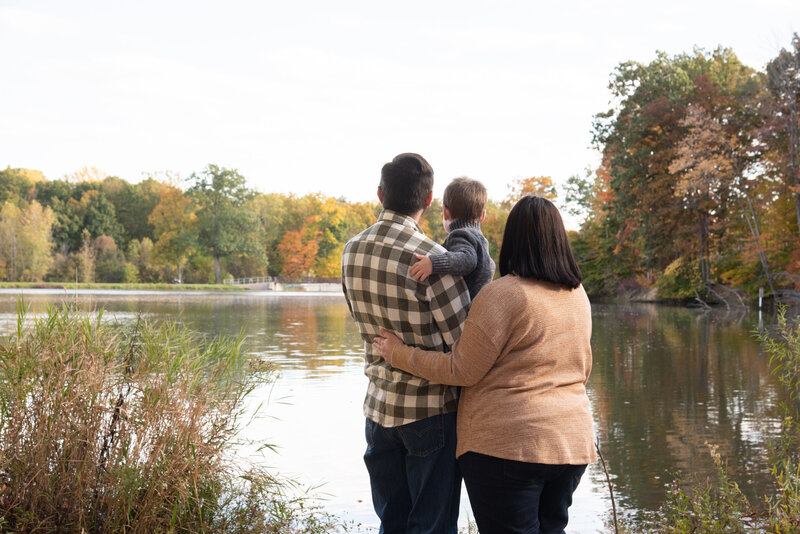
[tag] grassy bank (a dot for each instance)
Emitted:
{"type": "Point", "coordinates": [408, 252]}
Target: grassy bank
{"type": "Point", "coordinates": [140, 287]}
{"type": "Point", "coordinates": [132, 428]}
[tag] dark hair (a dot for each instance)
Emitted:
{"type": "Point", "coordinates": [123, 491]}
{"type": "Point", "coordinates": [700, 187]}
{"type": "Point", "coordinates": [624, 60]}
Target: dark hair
{"type": "Point", "coordinates": [406, 182]}
{"type": "Point", "coordinates": [535, 244]}
{"type": "Point", "coordinates": [465, 198]}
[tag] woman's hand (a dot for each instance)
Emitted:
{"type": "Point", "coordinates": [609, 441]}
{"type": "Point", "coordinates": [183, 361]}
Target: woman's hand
{"type": "Point", "coordinates": [385, 344]}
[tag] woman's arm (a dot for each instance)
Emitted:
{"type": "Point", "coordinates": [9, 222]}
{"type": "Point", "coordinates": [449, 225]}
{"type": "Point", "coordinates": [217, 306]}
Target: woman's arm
{"type": "Point", "coordinates": [470, 359]}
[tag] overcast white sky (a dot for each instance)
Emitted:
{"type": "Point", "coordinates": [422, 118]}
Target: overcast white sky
{"type": "Point", "coordinates": [313, 96]}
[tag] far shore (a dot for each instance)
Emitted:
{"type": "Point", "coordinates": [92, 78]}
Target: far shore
{"type": "Point", "coordinates": [120, 286]}
{"type": "Point", "coordinates": [235, 288]}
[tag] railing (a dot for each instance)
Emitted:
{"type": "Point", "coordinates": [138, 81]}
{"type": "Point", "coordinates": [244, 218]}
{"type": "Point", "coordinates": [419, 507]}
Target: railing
{"type": "Point", "coordinates": [282, 280]}
{"type": "Point", "coordinates": [251, 280]}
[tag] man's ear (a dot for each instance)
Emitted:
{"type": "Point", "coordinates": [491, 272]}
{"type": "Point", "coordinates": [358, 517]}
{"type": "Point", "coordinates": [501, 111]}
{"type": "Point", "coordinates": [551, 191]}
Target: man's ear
{"type": "Point", "coordinates": [380, 194]}
{"type": "Point", "coordinates": [483, 215]}
{"type": "Point", "coordinates": [429, 199]}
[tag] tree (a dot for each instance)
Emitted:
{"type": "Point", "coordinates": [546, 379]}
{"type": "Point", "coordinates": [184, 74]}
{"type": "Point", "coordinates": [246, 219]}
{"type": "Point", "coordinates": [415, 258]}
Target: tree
{"type": "Point", "coordinates": [643, 220]}
{"type": "Point", "coordinates": [298, 249]}
{"type": "Point", "coordinates": [26, 241]}
{"type": "Point", "coordinates": [18, 184]}
{"type": "Point", "coordinates": [85, 174]}
{"type": "Point", "coordinates": [99, 216]}
{"type": "Point", "coordinates": [133, 204]}
{"type": "Point", "coordinates": [175, 228]}
{"type": "Point", "coordinates": [540, 186]}
{"type": "Point", "coordinates": [85, 259]}
{"type": "Point", "coordinates": [783, 74]}
{"type": "Point", "coordinates": [578, 194]}
{"type": "Point", "coordinates": [703, 161]}
{"type": "Point", "coordinates": [9, 239]}
{"type": "Point", "coordinates": [225, 228]}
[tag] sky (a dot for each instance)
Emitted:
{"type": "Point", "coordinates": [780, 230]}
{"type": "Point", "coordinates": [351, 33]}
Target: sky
{"type": "Point", "coordinates": [315, 96]}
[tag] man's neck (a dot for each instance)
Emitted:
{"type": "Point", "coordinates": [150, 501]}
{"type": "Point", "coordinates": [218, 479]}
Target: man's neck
{"type": "Point", "coordinates": [416, 216]}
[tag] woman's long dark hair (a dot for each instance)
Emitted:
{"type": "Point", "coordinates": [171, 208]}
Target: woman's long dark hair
{"type": "Point", "coordinates": [535, 244]}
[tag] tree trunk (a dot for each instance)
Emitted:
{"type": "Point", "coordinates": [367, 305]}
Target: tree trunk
{"type": "Point", "coordinates": [217, 274]}
{"type": "Point", "coordinates": [705, 270]}
{"type": "Point", "coordinates": [180, 272]}
{"type": "Point", "coordinates": [794, 157]}
{"type": "Point", "coordinates": [755, 230]}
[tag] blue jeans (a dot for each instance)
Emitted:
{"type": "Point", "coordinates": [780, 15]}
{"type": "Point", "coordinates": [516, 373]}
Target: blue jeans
{"type": "Point", "coordinates": [512, 497]}
{"type": "Point", "coordinates": [416, 484]}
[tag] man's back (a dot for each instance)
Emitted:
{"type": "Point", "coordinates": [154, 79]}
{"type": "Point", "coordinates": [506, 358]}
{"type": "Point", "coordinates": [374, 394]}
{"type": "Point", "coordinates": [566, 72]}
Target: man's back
{"type": "Point", "coordinates": [380, 293]}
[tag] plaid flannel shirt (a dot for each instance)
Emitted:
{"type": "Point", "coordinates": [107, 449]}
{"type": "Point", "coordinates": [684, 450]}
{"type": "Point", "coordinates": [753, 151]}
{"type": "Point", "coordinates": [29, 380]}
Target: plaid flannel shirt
{"type": "Point", "coordinates": [429, 314]}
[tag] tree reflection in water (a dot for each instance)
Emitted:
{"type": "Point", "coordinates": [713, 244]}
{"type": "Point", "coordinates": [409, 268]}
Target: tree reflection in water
{"type": "Point", "coordinates": [666, 383]}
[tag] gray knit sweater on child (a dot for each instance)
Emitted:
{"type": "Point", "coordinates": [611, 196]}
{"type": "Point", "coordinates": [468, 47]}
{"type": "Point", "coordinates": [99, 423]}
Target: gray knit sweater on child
{"type": "Point", "coordinates": [467, 255]}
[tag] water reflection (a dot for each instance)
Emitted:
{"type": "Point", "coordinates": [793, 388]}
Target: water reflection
{"type": "Point", "coordinates": [665, 382]}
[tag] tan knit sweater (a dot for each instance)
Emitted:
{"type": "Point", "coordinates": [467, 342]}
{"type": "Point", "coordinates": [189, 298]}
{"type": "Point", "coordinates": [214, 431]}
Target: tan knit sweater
{"type": "Point", "coordinates": [524, 359]}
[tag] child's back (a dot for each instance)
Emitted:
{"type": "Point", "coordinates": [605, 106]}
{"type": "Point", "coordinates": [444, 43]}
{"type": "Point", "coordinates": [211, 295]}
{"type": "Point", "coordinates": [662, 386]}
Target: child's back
{"type": "Point", "coordinates": [464, 208]}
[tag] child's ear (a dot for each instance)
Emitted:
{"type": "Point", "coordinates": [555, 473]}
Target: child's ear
{"type": "Point", "coordinates": [446, 213]}
{"type": "Point", "coordinates": [483, 215]}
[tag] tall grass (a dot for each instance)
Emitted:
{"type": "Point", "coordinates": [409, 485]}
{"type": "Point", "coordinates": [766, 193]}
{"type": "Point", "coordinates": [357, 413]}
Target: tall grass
{"type": "Point", "coordinates": [112, 428]}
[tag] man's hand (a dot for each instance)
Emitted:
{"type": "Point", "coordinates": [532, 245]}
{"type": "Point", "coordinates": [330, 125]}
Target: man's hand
{"type": "Point", "coordinates": [421, 270]}
{"type": "Point", "coordinates": [385, 344]}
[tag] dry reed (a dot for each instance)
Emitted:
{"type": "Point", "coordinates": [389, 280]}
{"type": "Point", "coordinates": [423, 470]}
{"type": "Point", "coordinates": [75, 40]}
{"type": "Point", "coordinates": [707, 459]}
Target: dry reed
{"type": "Point", "coordinates": [130, 428]}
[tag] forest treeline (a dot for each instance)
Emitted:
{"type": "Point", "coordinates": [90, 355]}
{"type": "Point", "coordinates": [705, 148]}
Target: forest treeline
{"type": "Point", "coordinates": [698, 184]}
{"type": "Point", "coordinates": [88, 227]}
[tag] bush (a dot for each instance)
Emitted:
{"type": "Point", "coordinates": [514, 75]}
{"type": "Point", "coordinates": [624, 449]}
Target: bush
{"type": "Point", "coordinates": [110, 428]}
{"type": "Point", "coordinates": [680, 280]}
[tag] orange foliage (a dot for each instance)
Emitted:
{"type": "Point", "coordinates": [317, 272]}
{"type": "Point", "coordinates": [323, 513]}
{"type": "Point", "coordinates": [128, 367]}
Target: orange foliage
{"type": "Point", "coordinates": [298, 248]}
{"type": "Point", "coordinates": [540, 186]}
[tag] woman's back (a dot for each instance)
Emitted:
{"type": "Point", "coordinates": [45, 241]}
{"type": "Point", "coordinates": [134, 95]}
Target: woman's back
{"type": "Point", "coordinates": [531, 405]}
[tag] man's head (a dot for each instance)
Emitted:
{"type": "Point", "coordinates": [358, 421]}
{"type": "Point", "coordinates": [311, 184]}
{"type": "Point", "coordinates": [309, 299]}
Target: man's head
{"type": "Point", "coordinates": [465, 199]}
{"type": "Point", "coordinates": [406, 184]}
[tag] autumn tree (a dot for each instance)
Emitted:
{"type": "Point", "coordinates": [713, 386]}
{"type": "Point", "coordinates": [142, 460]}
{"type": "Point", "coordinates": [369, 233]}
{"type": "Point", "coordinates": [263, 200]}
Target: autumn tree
{"type": "Point", "coordinates": [783, 74]}
{"type": "Point", "coordinates": [540, 186]}
{"type": "Point", "coordinates": [175, 228]}
{"type": "Point", "coordinates": [85, 174]}
{"type": "Point", "coordinates": [26, 241]}
{"type": "Point", "coordinates": [644, 217]}
{"type": "Point", "coordinates": [298, 250]}
{"type": "Point", "coordinates": [18, 184]}
{"type": "Point", "coordinates": [703, 161]}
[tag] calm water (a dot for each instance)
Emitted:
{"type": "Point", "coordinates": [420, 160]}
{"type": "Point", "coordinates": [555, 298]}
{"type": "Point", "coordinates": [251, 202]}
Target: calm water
{"type": "Point", "coordinates": [666, 382]}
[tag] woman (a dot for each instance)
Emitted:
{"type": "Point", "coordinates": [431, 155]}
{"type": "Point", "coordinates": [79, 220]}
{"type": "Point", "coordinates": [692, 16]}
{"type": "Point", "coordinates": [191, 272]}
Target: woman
{"type": "Point", "coordinates": [524, 425]}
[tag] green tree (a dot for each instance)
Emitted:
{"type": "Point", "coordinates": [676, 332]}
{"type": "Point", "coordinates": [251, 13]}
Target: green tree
{"type": "Point", "coordinates": [99, 216]}
{"type": "Point", "coordinates": [133, 204]}
{"type": "Point", "coordinates": [18, 184]}
{"type": "Point", "coordinates": [225, 227]}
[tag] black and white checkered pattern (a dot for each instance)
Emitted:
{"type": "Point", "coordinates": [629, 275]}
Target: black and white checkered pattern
{"type": "Point", "coordinates": [429, 314]}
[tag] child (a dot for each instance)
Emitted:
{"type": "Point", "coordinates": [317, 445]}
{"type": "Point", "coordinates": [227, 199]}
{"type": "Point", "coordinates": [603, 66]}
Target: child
{"type": "Point", "coordinates": [463, 211]}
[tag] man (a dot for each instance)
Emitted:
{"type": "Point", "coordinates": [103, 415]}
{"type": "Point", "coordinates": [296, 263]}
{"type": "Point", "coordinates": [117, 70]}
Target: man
{"type": "Point", "coordinates": [410, 425]}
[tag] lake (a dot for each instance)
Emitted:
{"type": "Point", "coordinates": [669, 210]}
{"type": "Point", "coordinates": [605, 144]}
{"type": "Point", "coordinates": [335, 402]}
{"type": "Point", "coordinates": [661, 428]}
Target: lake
{"type": "Point", "coordinates": [667, 382]}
